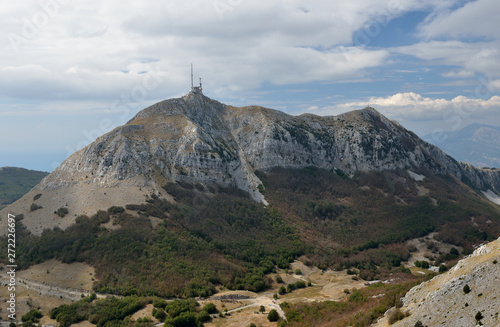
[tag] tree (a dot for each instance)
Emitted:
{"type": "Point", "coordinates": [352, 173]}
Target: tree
{"type": "Point", "coordinates": [61, 212]}
{"type": "Point", "coordinates": [466, 289]}
{"type": "Point", "coordinates": [262, 309]}
{"type": "Point", "coordinates": [210, 308]}
{"type": "Point", "coordinates": [202, 317]}
{"type": "Point", "coordinates": [442, 268]}
{"type": "Point", "coordinates": [273, 315]}
{"type": "Point", "coordinates": [479, 316]}
{"type": "Point", "coordinates": [424, 264]}
{"type": "Point", "coordinates": [159, 314]}
{"type": "Point", "coordinates": [32, 316]}
{"type": "Point", "coordinates": [419, 324]}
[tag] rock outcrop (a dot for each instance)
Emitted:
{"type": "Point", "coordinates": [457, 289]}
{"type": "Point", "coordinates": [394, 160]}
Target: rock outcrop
{"type": "Point", "coordinates": [442, 301]}
{"type": "Point", "coordinates": [197, 139]}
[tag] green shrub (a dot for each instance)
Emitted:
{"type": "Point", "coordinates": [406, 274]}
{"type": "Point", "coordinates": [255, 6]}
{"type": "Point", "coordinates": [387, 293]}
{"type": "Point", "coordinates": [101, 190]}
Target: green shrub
{"type": "Point", "coordinates": [202, 317]}
{"type": "Point", "coordinates": [210, 308]}
{"type": "Point", "coordinates": [404, 269]}
{"type": "Point", "coordinates": [357, 296]}
{"type": "Point", "coordinates": [115, 210]}
{"type": "Point", "coordinates": [159, 302]}
{"type": "Point", "coordinates": [300, 284]}
{"type": "Point", "coordinates": [159, 314]}
{"type": "Point", "coordinates": [273, 315]}
{"type": "Point", "coordinates": [186, 319]}
{"type": "Point", "coordinates": [466, 289]}
{"type": "Point", "coordinates": [61, 212]}
{"type": "Point", "coordinates": [442, 268]}
{"type": "Point", "coordinates": [422, 264]}
{"type": "Point", "coordinates": [396, 315]}
{"type": "Point", "coordinates": [34, 207]}
{"type": "Point", "coordinates": [32, 316]}
{"type": "Point", "coordinates": [97, 312]}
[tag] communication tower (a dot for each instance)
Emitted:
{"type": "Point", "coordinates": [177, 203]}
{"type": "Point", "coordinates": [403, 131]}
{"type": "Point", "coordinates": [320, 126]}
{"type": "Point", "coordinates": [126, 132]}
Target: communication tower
{"type": "Point", "coordinates": [195, 89]}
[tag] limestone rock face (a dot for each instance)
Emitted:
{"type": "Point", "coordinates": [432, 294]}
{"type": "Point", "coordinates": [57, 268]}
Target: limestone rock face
{"type": "Point", "coordinates": [442, 300]}
{"type": "Point", "coordinates": [200, 140]}
{"type": "Point", "coordinates": [197, 139]}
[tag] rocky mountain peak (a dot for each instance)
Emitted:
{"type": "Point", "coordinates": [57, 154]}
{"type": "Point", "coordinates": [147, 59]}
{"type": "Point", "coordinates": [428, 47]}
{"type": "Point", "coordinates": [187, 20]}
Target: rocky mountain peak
{"type": "Point", "coordinates": [199, 140]}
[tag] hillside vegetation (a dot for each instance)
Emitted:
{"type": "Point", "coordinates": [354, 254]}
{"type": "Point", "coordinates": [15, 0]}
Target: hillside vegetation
{"type": "Point", "coordinates": [213, 236]}
{"type": "Point", "coordinates": [207, 239]}
{"type": "Point", "coordinates": [15, 182]}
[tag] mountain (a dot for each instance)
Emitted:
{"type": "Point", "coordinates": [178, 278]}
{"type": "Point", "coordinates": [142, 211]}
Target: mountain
{"type": "Point", "coordinates": [15, 182]}
{"type": "Point", "coordinates": [198, 140]}
{"type": "Point", "coordinates": [476, 144]}
{"type": "Point", "coordinates": [444, 300]}
{"type": "Point", "coordinates": [192, 194]}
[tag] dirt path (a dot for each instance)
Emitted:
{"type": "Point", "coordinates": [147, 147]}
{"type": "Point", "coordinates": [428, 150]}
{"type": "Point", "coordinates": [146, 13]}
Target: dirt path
{"type": "Point", "coordinates": [52, 290]}
{"type": "Point", "coordinates": [263, 300]}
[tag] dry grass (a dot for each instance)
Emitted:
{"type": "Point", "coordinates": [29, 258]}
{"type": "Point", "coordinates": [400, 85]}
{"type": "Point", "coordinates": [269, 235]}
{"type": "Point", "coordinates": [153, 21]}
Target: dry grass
{"type": "Point", "coordinates": [53, 272]}
{"type": "Point", "coordinates": [242, 318]}
{"type": "Point", "coordinates": [75, 275]}
{"type": "Point", "coordinates": [28, 299]}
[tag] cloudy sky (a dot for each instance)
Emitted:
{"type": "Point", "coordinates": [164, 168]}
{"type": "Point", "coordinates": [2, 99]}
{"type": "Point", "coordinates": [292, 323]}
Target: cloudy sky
{"type": "Point", "coordinates": [71, 70]}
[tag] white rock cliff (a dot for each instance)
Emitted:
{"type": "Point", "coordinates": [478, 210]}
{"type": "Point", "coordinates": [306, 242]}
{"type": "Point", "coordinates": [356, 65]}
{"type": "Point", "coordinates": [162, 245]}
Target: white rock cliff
{"type": "Point", "coordinates": [197, 139]}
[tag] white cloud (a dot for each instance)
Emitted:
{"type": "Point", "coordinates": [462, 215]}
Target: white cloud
{"type": "Point", "coordinates": [478, 57]}
{"type": "Point", "coordinates": [85, 47]}
{"type": "Point", "coordinates": [60, 56]}
{"type": "Point", "coordinates": [459, 74]}
{"type": "Point", "coordinates": [475, 19]}
{"type": "Point", "coordinates": [412, 106]}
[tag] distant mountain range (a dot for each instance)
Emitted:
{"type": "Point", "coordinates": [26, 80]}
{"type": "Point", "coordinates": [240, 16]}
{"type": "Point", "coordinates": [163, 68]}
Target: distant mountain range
{"type": "Point", "coordinates": [476, 144]}
{"type": "Point", "coordinates": [15, 182]}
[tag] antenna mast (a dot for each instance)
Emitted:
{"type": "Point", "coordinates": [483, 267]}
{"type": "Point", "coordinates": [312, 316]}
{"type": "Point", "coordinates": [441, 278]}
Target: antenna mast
{"type": "Point", "coordinates": [195, 89]}
{"type": "Point", "coordinates": [191, 76]}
